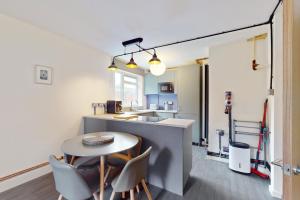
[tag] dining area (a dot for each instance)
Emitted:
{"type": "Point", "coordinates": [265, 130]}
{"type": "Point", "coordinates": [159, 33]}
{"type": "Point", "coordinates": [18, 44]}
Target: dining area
{"type": "Point", "coordinates": [98, 160]}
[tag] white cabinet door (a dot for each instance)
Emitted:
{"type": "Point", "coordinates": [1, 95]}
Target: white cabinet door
{"type": "Point", "coordinates": [196, 125]}
{"type": "Point", "coordinates": [150, 114]}
{"type": "Point", "coordinates": [168, 76]}
{"type": "Point", "coordinates": [165, 115]}
{"type": "Point", "coordinates": [151, 84]}
{"type": "Point", "coordinates": [188, 88]}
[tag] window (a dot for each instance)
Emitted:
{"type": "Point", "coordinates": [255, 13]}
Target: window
{"type": "Point", "coordinates": [129, 88]}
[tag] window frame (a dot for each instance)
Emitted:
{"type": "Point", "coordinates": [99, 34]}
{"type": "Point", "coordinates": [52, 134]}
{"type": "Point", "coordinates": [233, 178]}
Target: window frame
{"type": "Point", "coordinates": [137, 84]}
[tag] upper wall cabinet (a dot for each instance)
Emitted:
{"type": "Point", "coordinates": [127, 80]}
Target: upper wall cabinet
{"type": "Point", "coordinates": [151, 84]}
{"type": "Point", "coordinates": [188, 88]}
{"type": "Point", "coordinates": [151, 81]}
{"type": "Point", "coordinates": [168, 76]}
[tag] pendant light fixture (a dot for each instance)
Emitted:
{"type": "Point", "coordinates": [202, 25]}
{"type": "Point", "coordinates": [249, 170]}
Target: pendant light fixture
{"type": "Point", "coordinates": [113, 67]}
{"type": "Point", "coordinates": [157, 68]}
{"type": "Point", "coordinates": [131, 63]}
{"type": "Point", "coordinates": [154, 60]}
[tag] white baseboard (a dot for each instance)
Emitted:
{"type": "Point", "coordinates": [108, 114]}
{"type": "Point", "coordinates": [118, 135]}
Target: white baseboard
{"type": "Point", "coordinates": [11, 183]}
{"type": "Point", "coordinates": [275, 193]}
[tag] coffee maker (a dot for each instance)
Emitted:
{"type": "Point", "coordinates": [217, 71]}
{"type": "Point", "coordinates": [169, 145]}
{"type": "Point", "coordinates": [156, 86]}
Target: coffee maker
{"type": "Point", "coordinates": [113, 106]}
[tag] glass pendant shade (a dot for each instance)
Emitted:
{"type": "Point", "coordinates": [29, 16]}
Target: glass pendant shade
{"type": "Point", "coordinates": [158, 69]}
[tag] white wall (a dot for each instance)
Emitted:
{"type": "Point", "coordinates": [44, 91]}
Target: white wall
{"type": "Point", "coordinates": [276, 108]}
{"type": "Point", "coordinates": [230, 70]}
{"type": "Point", "coordinates": [35, 119]}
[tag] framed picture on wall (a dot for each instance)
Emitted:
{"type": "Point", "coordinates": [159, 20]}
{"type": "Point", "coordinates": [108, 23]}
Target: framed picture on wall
{"type": "Point", "coordinates": [43, 74]}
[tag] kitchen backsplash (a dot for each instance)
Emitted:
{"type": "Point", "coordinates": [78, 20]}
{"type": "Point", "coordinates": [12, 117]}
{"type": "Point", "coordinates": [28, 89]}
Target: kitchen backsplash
{"type": "Point", "coordinates": [160, 99]}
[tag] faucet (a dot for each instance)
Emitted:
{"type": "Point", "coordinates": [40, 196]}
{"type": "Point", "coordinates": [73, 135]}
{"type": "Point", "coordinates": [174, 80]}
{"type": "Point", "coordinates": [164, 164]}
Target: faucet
{"type": "Point", "coordinates": [131, 105]}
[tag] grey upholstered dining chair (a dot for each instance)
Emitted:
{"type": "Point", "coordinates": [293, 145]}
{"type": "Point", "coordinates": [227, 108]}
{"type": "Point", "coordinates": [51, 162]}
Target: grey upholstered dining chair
{"type": "Point", "coordinates": [86, 162]}
{"type": "Point", "coordinates": [74, 184]}
{"type": "Point", "coordinates": [134, 172]}
{"type": "Point", "coordinates": [119, 160]}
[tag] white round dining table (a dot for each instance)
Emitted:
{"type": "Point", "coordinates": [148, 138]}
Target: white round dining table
{"type": "Point", "coordinates": [122, 142]}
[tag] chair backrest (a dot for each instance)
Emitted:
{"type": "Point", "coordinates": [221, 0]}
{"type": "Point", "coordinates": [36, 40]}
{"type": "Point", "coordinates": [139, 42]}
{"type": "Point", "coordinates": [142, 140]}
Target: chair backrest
{"type": "Point", "coordinates": [134, 171]}
{"type": "Point", "coordinates": [68, 181]}
{"type": "Point", "coordinates": [136, 151]}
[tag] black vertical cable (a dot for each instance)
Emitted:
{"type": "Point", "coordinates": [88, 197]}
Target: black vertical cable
{"type": "Point", "coordinates": [206, 101]}
{"type": "Point", "coordinates": [271, 73]}
{"type": "Point", "coordinates": [201, 105]}
{"type": "Point", "coordinates": [230, 125]}
{"type": "Point", "coordinates": [272, 43]}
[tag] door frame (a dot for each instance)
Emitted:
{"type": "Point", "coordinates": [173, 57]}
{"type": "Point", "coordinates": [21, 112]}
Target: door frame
{"type": "Point", "coordinates": [289, 64]}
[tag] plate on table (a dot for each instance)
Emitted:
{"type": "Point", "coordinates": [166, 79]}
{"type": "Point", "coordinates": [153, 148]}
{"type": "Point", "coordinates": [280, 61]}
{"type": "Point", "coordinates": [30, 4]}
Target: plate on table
{"type": "Point", "coordinates": [97, 139]}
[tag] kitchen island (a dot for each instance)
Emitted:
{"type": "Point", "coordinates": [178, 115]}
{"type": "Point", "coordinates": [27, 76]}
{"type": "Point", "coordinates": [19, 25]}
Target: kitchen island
{"type": "Point", "coordinates": [171, 158]}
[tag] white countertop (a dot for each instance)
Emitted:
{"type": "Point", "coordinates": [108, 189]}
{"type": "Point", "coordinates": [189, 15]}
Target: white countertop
{"type": "Point", "coordinates": [181, 123]}
{"type": "Point", "coordinates": [177, 122]}
{"type": "Point", "coordinates": [149, 111]}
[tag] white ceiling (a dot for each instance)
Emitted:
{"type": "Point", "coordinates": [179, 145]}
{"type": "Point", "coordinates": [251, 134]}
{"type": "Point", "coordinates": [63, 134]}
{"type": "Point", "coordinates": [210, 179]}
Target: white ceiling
{"type": "Point", "coordinates": [105, 24]}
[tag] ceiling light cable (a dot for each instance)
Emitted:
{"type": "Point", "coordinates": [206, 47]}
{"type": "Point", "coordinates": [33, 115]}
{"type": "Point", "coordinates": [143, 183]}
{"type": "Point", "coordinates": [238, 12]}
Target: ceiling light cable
{"type": "Point", "coordinates": [268, 22]}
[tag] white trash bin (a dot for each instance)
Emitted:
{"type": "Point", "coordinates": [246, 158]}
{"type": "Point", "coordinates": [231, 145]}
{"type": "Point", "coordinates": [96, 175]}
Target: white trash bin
{"type": "Point", "coordinates": [239, 157]}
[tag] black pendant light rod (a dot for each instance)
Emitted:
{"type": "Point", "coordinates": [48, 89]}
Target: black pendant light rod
{"type": "Point", "coordinates": [269, 22]}
{"type": "Point", "coordinates": [206, 36]}
{"type": "Point", "coordinates": [192, 39]}
{"type": "Point", "coordinates": [142, 48]}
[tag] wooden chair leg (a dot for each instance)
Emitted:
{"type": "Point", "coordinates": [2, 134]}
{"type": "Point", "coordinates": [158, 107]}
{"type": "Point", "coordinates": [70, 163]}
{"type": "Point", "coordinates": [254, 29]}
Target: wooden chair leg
{"type": "Point", "coordinates": [60, 197]}
{"type": "Point", "coordinates": [137, 188]}
{"type": "Point", "coordinates": [123, 195]}
{"type": "Point", "coordinates": [112, 196]}
{"type": "Point", "coordinates": [107, 173]}
{"type": "Point", "coordinates": [132, 194]}
{"type": "Point", "coordinates": [72, 160]}
{"type": "Point", "coordinates": [146, 190]}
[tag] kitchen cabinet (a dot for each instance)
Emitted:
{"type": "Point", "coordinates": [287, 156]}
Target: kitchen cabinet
{"type": "Point", "coordinates": [165, 114]}
{"type": "Point", "coordinates": [188, 89]}
{"type": "Point", "coordinates": [188, 95]}
{"type": "Point", "coordinates": [158, 114]}
{"type": "Point", "coordinates": [151, 81]}
{"type": "Point", "coordinates": [168, 76]}
{"type": "Point", "coordinates": [196, 125]}
{"type": "Point", "coordinates": [150, 84]}
{"type": "Point", "coordinates": [149, 114]}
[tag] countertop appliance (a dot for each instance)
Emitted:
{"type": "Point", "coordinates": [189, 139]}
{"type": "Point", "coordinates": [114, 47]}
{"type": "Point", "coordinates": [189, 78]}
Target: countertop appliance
{"type": "Point", "coordinates": [166, 87]}
{"type": "Point", "coordinates": [168, 105]}
{"type": "Point", "coordinates": [113, 106]}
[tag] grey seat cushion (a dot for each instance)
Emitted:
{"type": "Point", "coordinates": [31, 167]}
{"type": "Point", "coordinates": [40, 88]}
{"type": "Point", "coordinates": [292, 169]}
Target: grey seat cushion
{"type": "Point", "coordinates": [116, 162]}
{"type": "Point", "coordinates": [91, 176]}
{"type": "Point", "coordinates": [86, 162]}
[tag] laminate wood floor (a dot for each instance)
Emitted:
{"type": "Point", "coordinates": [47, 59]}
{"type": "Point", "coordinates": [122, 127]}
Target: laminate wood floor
{"type": "Point", "coordinates": [209, 180]}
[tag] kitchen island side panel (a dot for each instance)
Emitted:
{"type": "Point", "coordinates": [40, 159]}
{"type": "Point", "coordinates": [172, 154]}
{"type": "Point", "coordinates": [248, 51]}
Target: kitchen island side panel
{"type": "Point", "coordinates": [187, 153]}
{"type": "Point", "coordinates": [94, 125]}
{"type": "Point", "coordinates": [167, 167]}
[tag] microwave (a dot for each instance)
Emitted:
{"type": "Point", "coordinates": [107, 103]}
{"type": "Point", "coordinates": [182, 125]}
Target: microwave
{"type": "Point", "coordinates": [166, 87]}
